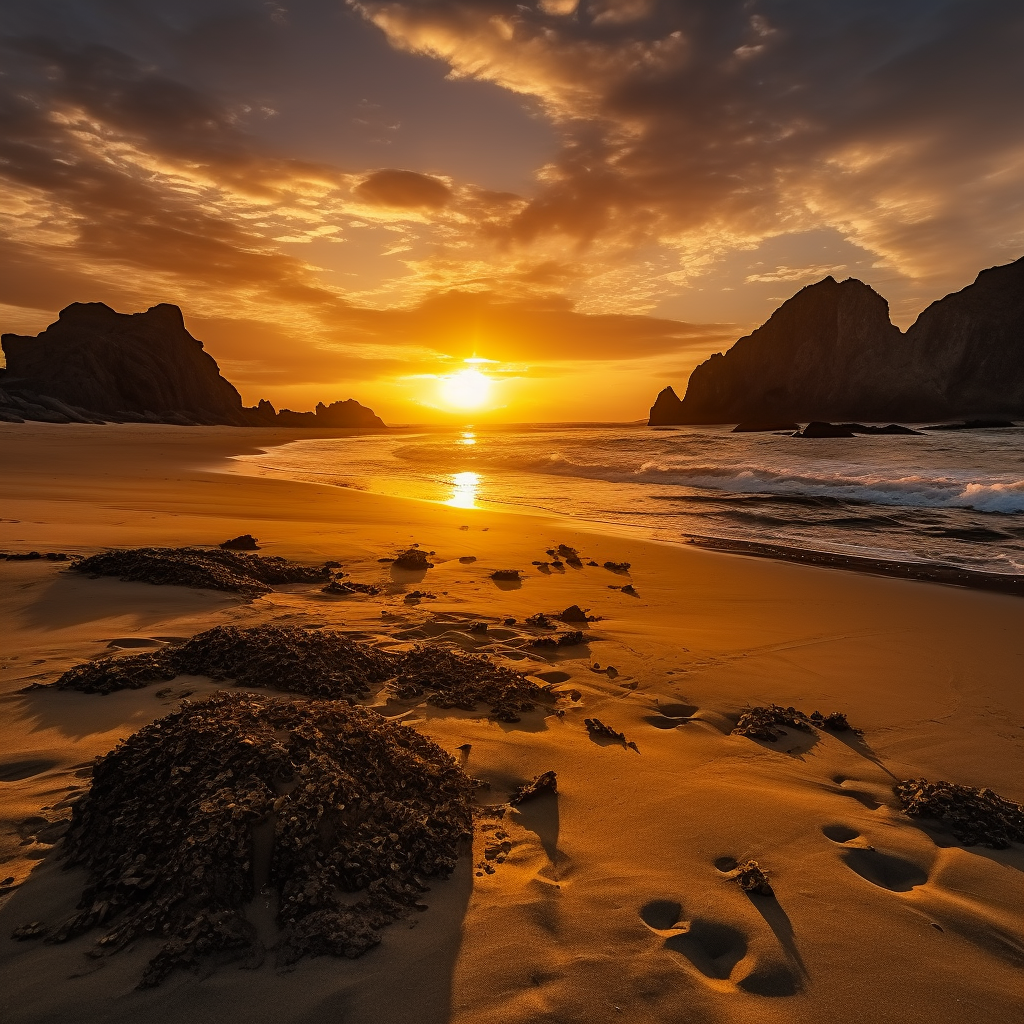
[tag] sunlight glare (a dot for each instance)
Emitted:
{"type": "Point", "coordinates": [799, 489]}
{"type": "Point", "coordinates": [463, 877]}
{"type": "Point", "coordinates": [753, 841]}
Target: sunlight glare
{"type": "Point", "coordinates": [464, 495]}
{"type": "Point", "coordinates": [467, 389]}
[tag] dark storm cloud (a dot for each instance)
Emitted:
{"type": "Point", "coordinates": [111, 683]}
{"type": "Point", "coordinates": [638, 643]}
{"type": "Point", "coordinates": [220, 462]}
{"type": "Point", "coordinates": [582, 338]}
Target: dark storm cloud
{"type": "Point", "coordinates": [898, 124]}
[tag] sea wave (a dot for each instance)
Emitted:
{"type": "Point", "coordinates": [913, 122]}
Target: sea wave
{"type": "Point", "coordinates": [998, 494]}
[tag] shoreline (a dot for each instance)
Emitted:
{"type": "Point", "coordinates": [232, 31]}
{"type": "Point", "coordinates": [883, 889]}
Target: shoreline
{"type": "Point", "coordinates": [922, 572]}
{"type": "Point", "coordinates": [608, 901]}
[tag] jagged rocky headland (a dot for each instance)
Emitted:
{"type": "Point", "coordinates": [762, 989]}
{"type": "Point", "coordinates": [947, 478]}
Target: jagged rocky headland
{"type": "Point", "coordinates": [831, 353]}
{"type": "Point", "coordinates": [94, 365]}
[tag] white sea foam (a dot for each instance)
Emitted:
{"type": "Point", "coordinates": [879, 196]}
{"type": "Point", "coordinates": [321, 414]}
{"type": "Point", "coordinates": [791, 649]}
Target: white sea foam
{"type": "Point", "coordinates": [950, 497]}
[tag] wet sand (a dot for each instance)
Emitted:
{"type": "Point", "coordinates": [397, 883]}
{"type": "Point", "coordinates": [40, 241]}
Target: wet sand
{"type": "Point", "coordinates": [609, 904]}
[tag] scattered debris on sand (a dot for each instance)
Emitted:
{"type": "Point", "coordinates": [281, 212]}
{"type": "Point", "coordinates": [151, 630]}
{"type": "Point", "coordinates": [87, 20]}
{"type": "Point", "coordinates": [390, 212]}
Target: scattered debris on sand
{"type": "Point", "coordinates": [349, 587]}
{"type": "Point", "coordinates": [975, 816]}
{"type": "Point", "coordinates": [247, 542]}
{"type": "Point", "coordinates": [317, 663]}
{"type": "Point", "coordinates": [764, 723]}
{"type": "Point", "coordinates": [419, 595]}
{"type": "Point", "coordinates": [573, 638]}
{"type": "Point", "coordinates": [350, 803]}
{"type": "Point", "coordinates": [617, 566]}
{"type": "Point", "coordinates": [250, 575]}
{"type": "Point", "coordinates": [574, 613]}
{"type": "Point", "coordinates": [597, 728]}
{"type": "Point", "coordinates": [571, 556]}
{"type": "Point", "coordinates": [459, 680]}
{"type": "Point", "coordinates": [541, 621]}
{"type": "Point", "coordinates": [547, 782]}
{"type": "Point", "coordinates": [412, 558]}
{"type": "Point", "coordinates": [751, 879]}
{"type": "Point", "coordinates": [507, 576]}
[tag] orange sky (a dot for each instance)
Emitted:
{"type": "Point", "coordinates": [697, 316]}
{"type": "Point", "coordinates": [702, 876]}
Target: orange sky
{"type": "Point", "coordinates": [349, 199]}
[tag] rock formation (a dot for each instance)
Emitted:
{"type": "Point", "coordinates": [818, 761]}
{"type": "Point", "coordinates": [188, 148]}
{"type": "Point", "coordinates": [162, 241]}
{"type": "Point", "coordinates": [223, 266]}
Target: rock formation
{"type": "Point", "coordinates": [831, 353]}
{"type": "Point", "coordinates": [667, 409]}
{"type": "Point", "coordinates": [115, 363]}
{"type": "Point", "coordinates": [94, 365]}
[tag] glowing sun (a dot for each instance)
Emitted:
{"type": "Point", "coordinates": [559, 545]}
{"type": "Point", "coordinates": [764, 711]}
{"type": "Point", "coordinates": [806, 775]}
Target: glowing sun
{"type": "Point", "coordinates": [467, 389]}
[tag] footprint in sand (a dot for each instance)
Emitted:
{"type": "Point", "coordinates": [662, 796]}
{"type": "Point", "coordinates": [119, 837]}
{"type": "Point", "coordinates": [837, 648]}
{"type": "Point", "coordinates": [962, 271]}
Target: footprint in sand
{"type": "Point", "coordinates": [886, 870]}
{"type": "Point", "coordinates": [669, 716]}
{"type": "Point", "coordinates": [840, 833]}
{"type": "Point", "coordinates": [717, 952]}
{"type": "Point", "coordinates": [25, 768]}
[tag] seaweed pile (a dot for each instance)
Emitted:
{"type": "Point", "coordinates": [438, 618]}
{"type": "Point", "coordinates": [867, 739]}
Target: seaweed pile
{"type": "Point", "coordinates": [506, 576]}
{"type": "Point", "coordinates": [763, 723]}
{"type": "Point", "coordinates": [975, 816]}
{"type": "Point", "coordinates": [464, 680]}
{"type": "Point", "coordinates": [412, 558]}
{"type": "Point", "coordinates": [234, 571]}
{"type": "Point", "coordinates": [546, 782]}
{"type": "Point", "coordinates": [751, 879]}
{"type": "Point", "coordinates": [354, 805]}
{"type": "Point", "coordinates": [349, 587]}
{"type": "Point", "coordinates": [597, 728]}
{"type": "Point", "coordinates": [317, 663]}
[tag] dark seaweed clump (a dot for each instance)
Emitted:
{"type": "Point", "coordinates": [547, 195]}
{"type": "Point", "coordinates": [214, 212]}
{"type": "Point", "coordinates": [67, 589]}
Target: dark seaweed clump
{"type": "Point", "coordinates": [752, 879]}
{"type": "Point", "coordinates": [763, 723]}
{"type": "Point", "coordinates": [314, 801]}
{"type": "Point", "coordinates": [975, 816]}
{"type": "Point", "coordinates": [317, 663]}
{"type": "Point", "coordinates": [233, 571]}
{"type": "Point", "coordinates": [463, 681]}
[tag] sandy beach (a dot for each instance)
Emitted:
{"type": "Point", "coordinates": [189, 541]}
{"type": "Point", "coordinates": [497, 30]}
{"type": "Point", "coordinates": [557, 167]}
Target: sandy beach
{"type": "Point", "coordinates": [608, 904]}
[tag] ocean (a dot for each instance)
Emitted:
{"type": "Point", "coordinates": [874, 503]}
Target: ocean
{"type": "Point", "coordinates": [954, 497]}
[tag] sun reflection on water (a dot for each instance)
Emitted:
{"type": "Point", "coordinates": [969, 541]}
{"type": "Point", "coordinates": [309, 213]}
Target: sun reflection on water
{"type": "Point", "coordinates": [468, 437]}
{"type": "Point", "coordinates": [465, 486]}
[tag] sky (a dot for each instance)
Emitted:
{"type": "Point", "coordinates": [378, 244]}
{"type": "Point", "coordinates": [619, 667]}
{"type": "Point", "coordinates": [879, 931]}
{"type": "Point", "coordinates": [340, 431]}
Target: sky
{"type": "Point", "coordinates": [350, 199]}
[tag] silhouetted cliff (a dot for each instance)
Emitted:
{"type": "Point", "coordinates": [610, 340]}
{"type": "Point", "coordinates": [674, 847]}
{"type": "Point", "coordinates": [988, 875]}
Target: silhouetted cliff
{"type": "Point", "coordinates": [95, 364]}
{"type": "Point", "coordinates": [111, 363]}
{"type": "Point", "coordinates": [831, 353]}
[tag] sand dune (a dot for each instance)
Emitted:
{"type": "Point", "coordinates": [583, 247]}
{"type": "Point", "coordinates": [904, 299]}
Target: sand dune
{"type": "Point", "coordinates": [612, 900]}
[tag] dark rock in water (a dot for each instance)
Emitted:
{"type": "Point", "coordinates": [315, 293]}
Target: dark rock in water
{"type": "Point", "coordinates": [107, 362]}
{"type": "Point", "coordinates": [973, 425]}
{"type": "Point", "coordinates": [667, 409]}
{"type": "Point", "coordinates": [250, 575]}
{"type": "Point", "coordinates": [316, 663]}
{"type": "Point", "coordinates": [764, 426]}
{"type": "Point", "coordinates": [346, 414]}
{"type": "Point", "coordinates": [830, 353]}
{"type": "Point", "coordinates": [247, 542]}
{"type": "Point", "coordinates": [547, 782]}
{"type": "Point", "coordinates": [974, 815]}
{"type": "Point", "coordinates": [817, 429]}
{"type": "Point", "coordinates": [356, 811]}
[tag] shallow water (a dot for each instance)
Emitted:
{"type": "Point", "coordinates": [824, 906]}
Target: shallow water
{"type": "Point", "coordinates": [950, 496]}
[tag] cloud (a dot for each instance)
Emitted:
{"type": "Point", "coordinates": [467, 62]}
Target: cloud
{"type": "Point", "coordinates": [403, 190]}
{"type": "Point", "coordinates": [717, 123]}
